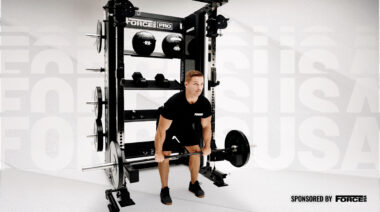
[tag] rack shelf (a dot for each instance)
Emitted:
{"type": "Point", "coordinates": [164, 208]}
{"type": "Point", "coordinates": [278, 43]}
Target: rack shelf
{"type": "Point", "coordinates": [140, 115]}
{"type": "Point", "coordinates": [151, 85]}
{"type": "Point", "coordinates": [154, 55]}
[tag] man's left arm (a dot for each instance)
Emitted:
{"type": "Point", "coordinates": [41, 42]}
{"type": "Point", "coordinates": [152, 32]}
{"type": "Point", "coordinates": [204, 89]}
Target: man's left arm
{"type": "Point", "coordinates": [206, 132]}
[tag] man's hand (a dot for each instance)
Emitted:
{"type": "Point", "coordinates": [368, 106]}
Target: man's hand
{"type": "Point", "coordinates": [159, 157]}
{"type": "Point", "coordinates": [206, 150]}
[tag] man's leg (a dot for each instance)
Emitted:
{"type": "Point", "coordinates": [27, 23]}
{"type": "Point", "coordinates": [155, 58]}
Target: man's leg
{"type": "Point", "coordinates": [163, 168]}
{"type": "Point", "coordinates": [194, 162]}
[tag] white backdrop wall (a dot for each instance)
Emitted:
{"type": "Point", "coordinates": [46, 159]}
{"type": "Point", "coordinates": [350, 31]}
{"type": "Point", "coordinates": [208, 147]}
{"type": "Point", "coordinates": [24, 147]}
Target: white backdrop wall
{"type": "Point", "coordinates": [300, 78]}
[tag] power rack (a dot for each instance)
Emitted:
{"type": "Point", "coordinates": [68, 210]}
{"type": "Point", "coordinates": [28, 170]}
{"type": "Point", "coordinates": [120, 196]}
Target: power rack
{"type": "Point", "coordinates": [200, 29]}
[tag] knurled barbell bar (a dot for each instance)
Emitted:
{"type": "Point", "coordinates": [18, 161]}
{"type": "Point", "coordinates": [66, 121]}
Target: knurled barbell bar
{"type": "Point", "coordinates": [107, 165]}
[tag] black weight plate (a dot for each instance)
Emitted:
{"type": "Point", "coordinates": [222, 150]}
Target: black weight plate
{"type": "Point", "coordinates": [222, 22]}
{"type": "Point", "coordinates": [117, 171]}
{"type": "Point", "coordinates": [129, 10]}
{"type": "Point", "coordinates": [98, 132]}
{"type": "Point", "coordinates": [99, 102]}
{"type": "Point", "coordinates": [239, 157]}
{"type": "Point", "coordinates": [99, 33]}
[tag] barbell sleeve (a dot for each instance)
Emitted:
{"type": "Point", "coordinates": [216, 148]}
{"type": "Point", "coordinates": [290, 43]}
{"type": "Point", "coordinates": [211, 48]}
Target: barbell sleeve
{"type": "Point", "coordinates": [100, 166]}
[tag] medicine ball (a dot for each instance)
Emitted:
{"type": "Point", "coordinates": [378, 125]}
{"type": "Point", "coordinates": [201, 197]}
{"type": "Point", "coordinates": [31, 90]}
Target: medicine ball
{"type": "Point", "coordinates": [172, 45]}
{"type": "Point", "coordinates": [144, 43]}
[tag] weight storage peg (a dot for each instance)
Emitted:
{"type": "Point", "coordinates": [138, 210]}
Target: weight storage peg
{"type": "Point", "coordinates": [95, 69]}
{"type": "Point", "coordinates": [99, 36]}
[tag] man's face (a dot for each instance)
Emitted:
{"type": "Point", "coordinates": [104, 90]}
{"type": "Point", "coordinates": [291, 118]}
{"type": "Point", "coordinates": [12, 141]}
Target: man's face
{"type": "Point", "coordinates": [195, 86]}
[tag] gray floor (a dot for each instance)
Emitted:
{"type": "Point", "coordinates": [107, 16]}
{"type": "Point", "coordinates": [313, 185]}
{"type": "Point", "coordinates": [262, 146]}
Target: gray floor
{"type": "Point", "coordinates": [250, 190]}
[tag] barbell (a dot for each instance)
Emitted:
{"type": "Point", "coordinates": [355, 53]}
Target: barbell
{"type": "Point", "coordinates": [236, 151]}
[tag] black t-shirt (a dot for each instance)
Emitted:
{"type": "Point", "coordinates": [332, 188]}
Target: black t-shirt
{"type": "Point", "coordinates": [185, 116]}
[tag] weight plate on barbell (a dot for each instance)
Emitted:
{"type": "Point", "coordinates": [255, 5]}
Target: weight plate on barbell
{"type": "Point", "coordinates": [99, 38]}
{"type": "Point", "coordinates": [98, 138]}
{"type": "Point", "coordinates": [239, 157]}
{"type": "Point", "coordinates": [98, 99]}
{"type": "Point", "coordinates": [117, 171]}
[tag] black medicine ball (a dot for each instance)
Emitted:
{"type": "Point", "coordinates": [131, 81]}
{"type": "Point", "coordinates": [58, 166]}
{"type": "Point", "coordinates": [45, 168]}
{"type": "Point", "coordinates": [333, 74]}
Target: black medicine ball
{"type": "Point", "coordinates": [172, 45]}
{"type": "Point", "coordinates": [143, 43]}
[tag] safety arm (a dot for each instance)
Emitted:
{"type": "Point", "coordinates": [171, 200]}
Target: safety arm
{"type": "Point", "coordinates": [163, 125]}
{"type": "Point", "coordinates": [206, 130]}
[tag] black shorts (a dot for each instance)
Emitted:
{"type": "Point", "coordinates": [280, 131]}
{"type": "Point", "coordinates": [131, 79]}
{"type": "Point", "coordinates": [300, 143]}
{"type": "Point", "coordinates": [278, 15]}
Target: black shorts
{"type": "Point", "coordinates": [176, 145]}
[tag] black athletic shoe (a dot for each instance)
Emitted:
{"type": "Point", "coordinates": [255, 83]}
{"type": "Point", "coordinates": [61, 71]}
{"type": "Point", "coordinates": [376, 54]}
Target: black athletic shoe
{"type": "Point", "coordinates": [165, 196]}
{"type": "Point", "coordinates": [196, 189]}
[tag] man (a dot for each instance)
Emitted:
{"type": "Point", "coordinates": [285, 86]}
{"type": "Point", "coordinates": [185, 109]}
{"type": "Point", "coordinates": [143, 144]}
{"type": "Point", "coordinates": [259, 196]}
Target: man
{"type": "Point", "coordinates": [179, 115]}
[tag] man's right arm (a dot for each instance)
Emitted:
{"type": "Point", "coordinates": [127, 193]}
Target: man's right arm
{"type": "Point", "coordinates": [163, 125]}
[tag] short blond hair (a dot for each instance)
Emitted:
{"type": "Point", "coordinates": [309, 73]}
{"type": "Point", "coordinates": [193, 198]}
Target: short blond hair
{"type": "Point", "coordinates": [193, 73]}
